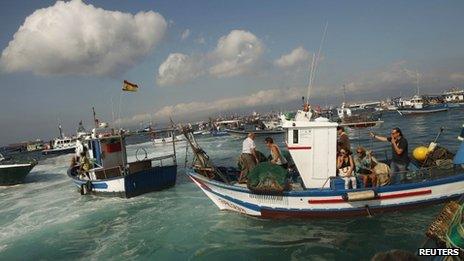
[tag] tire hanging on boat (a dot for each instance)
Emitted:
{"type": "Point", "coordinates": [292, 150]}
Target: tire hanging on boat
{"type": "Point", "coordinates": [86, 188]}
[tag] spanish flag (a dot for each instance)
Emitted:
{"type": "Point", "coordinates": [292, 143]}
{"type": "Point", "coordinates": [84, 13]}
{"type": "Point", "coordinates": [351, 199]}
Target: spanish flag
{"type": "Point", "coordinates": [129, 87]}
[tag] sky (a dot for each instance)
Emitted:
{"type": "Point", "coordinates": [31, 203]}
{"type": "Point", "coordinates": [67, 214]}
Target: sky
{"type": "Point", "coordinates": [196, 59]}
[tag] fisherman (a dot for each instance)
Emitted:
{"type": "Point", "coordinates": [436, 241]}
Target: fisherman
{"type": "Point", "coordinates": [399, 145]}
{"type": "Point", "coordinates": [276, 154]}
{"type": "Point", "coordinates": [343, 142]}
{"type": "Point", "coordinates": [248, 157]}
{"type": "Point", "coordinates": [364, 163]}
{"type": "Point", "coordinates": [85, 165]}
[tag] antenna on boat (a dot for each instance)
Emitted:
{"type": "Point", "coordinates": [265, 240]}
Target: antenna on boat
{"type": "Point", "coordinates": [417, 81]}
{"type": "Point", "coordinates": [315, 62]}
{"type": "Point", "coordinates": [94, 117]}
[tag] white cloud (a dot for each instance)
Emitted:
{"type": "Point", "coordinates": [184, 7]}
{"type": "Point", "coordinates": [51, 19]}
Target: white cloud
{"type": "Point", "coordinates": [200, 40]}
{"type": "Point", "coordinates": [76, 38]}
{"type": "Point", "coordinates": [236, 53]}
{"type": "Point", "coordinates": [183, 110]}
{"type": "Point", "coordinates": [297, 56]}
{"type": "Point", "coordinates": [185, 34]}
{"type": "Point", "coordinates": [178, 68]}
{"type": "Point", "coordinates": [457, 76]}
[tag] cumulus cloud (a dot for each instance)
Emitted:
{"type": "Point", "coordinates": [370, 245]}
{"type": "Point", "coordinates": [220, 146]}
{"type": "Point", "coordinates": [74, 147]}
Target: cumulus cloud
{"type": "Point", "coordinates": [297, 56]}
{"type": "Point", "coordinates": [181, 110]}
{"type": "Point", "coordinates": [185, 34]}
{"type": "Point", "coordinates": [236, 53]}
{"type": "Point", "coordinates": [76, 38]}
{"type": "Point", "coordinates": [179, 68]}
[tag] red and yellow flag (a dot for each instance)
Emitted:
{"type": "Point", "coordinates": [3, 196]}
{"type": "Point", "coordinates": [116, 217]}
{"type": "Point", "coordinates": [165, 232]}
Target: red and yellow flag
{"type": "Point", "coordinates": [129, 87]}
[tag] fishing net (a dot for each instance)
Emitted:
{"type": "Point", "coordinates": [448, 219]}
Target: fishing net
{"type": "Point", "coordinates": [267, 178]}
{"type": "Point", "coordinates": [455, 235]}
{"type": "Point", "coordinates": [439, 157]}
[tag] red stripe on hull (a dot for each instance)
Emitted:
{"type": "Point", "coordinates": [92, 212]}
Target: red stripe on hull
{"type": "Point", "coordinates": [397, 195]}
{"type": "Point", "coordinates": [299, 148]}
{"type": "Point", "coordinates": [278, 214]}
{"type": "Point", "coordinates": [407, 194]}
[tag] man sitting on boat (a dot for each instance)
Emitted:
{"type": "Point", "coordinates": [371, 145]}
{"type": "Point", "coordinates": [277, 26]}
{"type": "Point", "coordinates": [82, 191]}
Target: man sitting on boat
{"type": "Point", "coordinates": [276, 155]}
{"type": "Point", "coordinates": [345, 166]}
{"type": "Point", "coordinates": [400, 159]}
{"type": "Point", "coordinates": [365, 163]}
{"type": "Point", "coordinates": [248, 158]}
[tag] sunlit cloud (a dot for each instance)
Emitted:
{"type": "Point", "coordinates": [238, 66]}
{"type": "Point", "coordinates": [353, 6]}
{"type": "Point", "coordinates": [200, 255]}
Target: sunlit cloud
{"type": "Point", "coordinates": [77, 38]}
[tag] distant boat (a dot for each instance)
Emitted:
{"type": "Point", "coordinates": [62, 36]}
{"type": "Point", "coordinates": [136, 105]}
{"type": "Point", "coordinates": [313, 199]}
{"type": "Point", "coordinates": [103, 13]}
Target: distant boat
{"type": "Point", "coordinates": [257, 132]}
{"type": "Point", "coordinates": [13, 172]}
{"type": "Point", "coordinates": [111, 173]}
{"type": "Point", "coordinates": [416, 105]}
{"type": "Point", "coordinates": [59, 146]}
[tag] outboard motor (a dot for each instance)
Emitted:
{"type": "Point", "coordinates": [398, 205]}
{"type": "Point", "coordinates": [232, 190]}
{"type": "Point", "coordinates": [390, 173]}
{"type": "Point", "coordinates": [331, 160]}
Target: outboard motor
{"type": "Point", "coordinates": [459, 157]}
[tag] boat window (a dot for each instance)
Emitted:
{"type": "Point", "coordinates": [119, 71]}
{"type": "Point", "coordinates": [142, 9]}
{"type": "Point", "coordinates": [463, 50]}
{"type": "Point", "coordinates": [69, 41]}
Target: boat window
{"type": "Point", "coordinates": [295, 136]}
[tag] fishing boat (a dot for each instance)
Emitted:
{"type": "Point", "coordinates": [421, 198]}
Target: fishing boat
{"type": "Point", "coordinates": [454, 98]}
{"type": "Point", "coordinates": [417, 105]}
{"type": "Point", "coordinates": [112, 174]}
{"type": "Point", "coordinates": [257, 132]}
{"type": "Point", "coordinates": [14, 172]}
{"type": "Point", "coordinates": [166, 137]}
{"type": "Point", "coordinates": [321, 193]}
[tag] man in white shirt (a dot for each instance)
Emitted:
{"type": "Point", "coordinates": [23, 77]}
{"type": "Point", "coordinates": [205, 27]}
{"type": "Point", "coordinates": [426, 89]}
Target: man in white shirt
{"type": "Point", "coordinates": [248, 157]}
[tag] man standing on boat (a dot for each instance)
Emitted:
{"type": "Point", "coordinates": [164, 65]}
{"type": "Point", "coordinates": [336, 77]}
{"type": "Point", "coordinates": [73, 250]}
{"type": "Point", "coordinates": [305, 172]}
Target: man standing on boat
{"type": "Point", "coordinates": [400, 158]}
{"type": "Point", "coordinates": [343, 142]}
{"type": "Point", "coordinates": [248, 157]}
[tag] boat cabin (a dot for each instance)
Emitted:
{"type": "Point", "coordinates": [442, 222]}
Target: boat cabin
{"type": "Point", "coordinates": [313, 147]}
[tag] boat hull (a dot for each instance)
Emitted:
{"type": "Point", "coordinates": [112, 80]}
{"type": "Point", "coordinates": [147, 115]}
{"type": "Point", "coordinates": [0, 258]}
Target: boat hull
{"type": "Point", "coordinates": [59, 151]}
{"type": "Point", "coordinates": [434, 109]}
{"type": "Point", "coordinates": [14, 173]}
{"type": "Point", "coordinates": [153, 179]}
{"type": "Point", "coordinates": [324, 203]}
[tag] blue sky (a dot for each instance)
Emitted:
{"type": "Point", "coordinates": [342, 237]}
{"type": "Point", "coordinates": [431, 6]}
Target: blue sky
{"type": "Point", "coordinates": [371, 46]}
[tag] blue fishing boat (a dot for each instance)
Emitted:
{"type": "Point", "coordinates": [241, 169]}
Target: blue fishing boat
{"type": "Point", "coordinates": [416, 105]}
{"type": "Point", "coordinates": [108, 171]}
{"type": "Point", "coordinates": [321, 192]}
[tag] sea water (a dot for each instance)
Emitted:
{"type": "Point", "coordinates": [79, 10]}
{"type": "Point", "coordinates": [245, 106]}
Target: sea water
{"type": "Point", "coordinates": [46, 217]}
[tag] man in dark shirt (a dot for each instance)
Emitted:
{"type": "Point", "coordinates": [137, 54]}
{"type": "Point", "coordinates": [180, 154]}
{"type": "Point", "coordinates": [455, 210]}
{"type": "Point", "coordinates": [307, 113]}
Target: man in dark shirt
{"type": "Point", "coordinates": [400, 158]}
{"type": "Point", "coordinates": [343, 142]}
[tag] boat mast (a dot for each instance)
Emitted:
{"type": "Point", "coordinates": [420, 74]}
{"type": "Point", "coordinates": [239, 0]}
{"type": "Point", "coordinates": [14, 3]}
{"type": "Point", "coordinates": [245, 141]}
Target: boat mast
{"type": "Point", "coordinates": [94, 117]}
{"type": "Point", "coordinates": [417, 82]}
{"type": "Point", "coordinates": [314, 63]}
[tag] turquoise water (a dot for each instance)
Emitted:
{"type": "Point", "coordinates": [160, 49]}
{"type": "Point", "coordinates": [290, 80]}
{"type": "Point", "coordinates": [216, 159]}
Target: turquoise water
{"type": "Point", "coordinates": [46, 218]}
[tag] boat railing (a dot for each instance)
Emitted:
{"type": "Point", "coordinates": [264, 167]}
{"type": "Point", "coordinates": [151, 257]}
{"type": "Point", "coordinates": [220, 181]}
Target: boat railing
{"type": "Point", "coordinates": [160, 159]}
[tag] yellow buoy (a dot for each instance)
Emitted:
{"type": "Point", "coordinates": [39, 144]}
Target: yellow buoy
{"type": "Point", "coordinates": [420, 153]}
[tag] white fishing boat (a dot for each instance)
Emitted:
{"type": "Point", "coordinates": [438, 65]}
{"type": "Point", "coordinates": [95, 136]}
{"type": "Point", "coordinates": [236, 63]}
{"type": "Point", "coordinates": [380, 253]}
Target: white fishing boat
{"type": "Point", "coordinates": [312, 146]}
{"type": "Point", "coordinates": [454, 98]}
{"type": "Point", "coordinates": [167, 137]}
